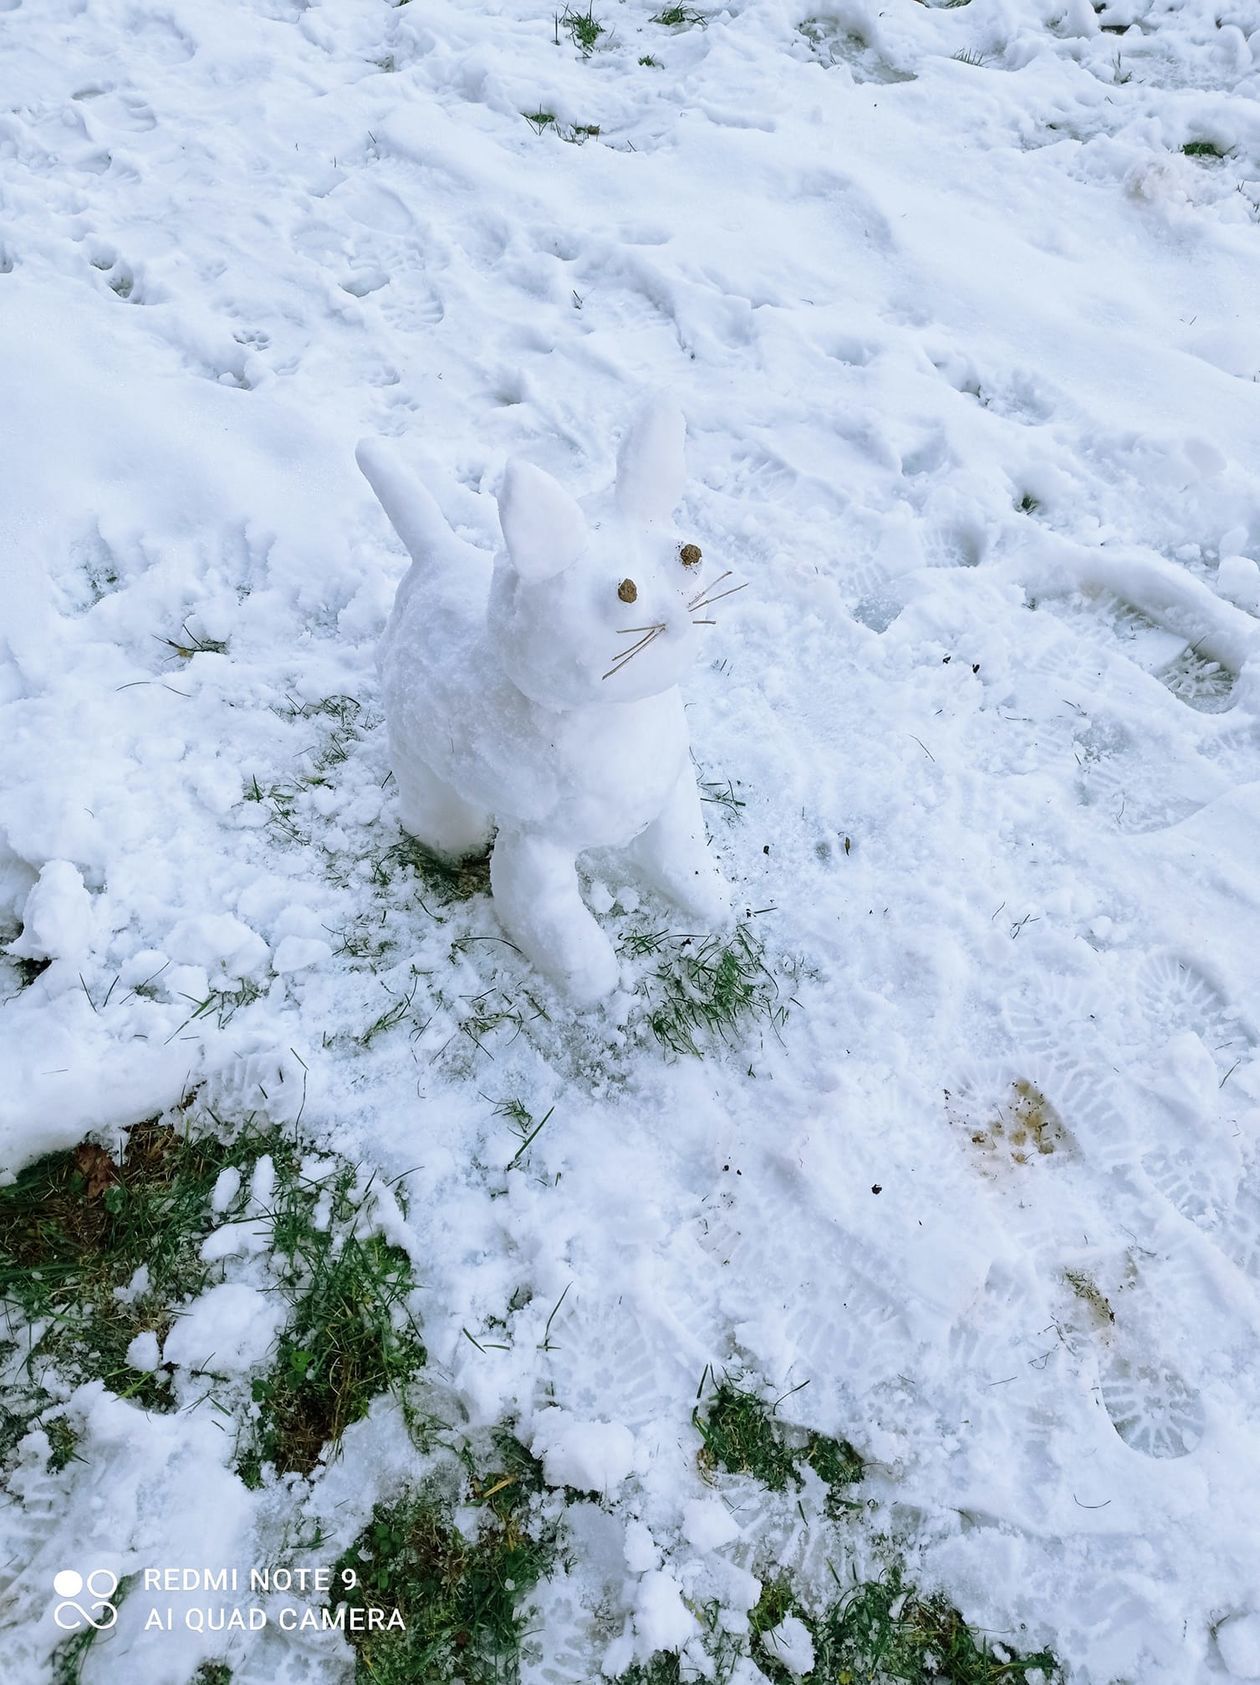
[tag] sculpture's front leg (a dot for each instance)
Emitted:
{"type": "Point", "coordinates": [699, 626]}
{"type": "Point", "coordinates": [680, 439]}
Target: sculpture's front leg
{"type": "Point", "coordinates": [673, 854]}
{"type": "Point", "coordinates": [536, 894]}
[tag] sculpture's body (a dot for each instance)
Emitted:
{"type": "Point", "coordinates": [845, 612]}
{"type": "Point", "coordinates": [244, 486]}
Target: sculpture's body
{"type": "Point", "coordinates": [540, 695]}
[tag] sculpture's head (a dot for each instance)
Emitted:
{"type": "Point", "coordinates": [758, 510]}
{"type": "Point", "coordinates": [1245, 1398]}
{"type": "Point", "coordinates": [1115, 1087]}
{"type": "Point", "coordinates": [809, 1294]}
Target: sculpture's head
{"type": "Point", "coordinates": [606, 609]}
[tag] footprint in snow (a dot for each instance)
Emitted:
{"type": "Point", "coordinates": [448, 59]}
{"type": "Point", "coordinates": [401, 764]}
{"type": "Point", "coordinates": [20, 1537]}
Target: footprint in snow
{"type": "Point", "coordinates": [116, 110]}
{"type": "Point", "coordinates": [30, 1518]}
{"type": "Point", "coordinates": [1152, 1407]}
{"type": "Point", "coordinates": [562, 1637]}
{"type": "Point", "coordinates": [1176, 996]}
{"type": "Point", "coordinates": [294, 1657]}
{"type": "Point", "coordinates": [835, 1319]}
{"type": "Point", "coordinates": [607, 1357]}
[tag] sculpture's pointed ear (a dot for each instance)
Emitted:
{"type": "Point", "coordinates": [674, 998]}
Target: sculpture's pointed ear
{"type": "Point", "coordinates": [542, 526]}
{"type": "Point", "coordinates": [650, 463]}
{"type": "Point", "coordinates": [412, 510]}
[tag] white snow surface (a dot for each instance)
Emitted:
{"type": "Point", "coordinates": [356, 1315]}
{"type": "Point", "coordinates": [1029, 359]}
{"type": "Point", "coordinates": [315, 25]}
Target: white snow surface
{"type": "Point", "coordinates": [968, 350]}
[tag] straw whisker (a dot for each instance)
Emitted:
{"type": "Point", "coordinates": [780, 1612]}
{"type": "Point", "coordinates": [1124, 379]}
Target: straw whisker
{"type": "Point", "coordinates": [700, 595]}
{"type": "Point", "coordinates": [629, 654]}
{"type": "Point", "coordinates": [708, 602]}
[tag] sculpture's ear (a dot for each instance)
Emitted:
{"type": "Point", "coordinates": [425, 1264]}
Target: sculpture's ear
{"type": "Point", "coordinates": [412, 511]}
{"type": "Point", "coordinates": [542, 526]}
{"type": "Point", "coordinates": [650, 463]}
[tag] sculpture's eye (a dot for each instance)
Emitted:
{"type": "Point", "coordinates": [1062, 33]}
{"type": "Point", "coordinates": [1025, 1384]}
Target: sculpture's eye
{"type": "Point", "coordinates": [628, 591]}
{"type": "Point", "coordinates": [689, 555]}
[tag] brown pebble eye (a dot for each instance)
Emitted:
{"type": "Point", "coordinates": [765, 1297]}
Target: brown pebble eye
{"type": "Point", "coordinates": [628, 591]}
{"type": "Point", "coordinates": [689, 555]}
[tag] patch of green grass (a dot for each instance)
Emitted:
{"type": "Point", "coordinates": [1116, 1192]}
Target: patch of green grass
{"type": "Point", "coordinates": [460, 1592]}
{"type": "Point", "coordinates": [885, 1630]}
{"type": "Point", "coordinates": [343, 721]}
{"type": "Point", "coordinates": [1203, 149]}
{"type": "Point", "coordinates": [452, 880]}
{"type": "Point", "coordinates": [1028, 504]}
{"type": "Point", "coordinates": [879, 1632]}
{"type": "Point", "coordinates": [739, 1433]}
{"type": "Point", "coordinates": [582, 28]}
{"type": "Point", "coordinates": [723, 1649]}
{"type": "Point", "coordinates": [650, 62]}
{"type": "Point", "coordinates": [282, 800]}
{"type": "Point", "coordinates": [68, 1658]}
{"type": "Point", "coordinates": [679, 17]}
{"type": "Point", "coordinates": [212, 1673]}
{"type": "Point", "coordinates": [349, 1336]}
{"type": "Point", "coordinates": [707, 988]}
{"type": "Point", "coordinates": [540, 119]}
{"type": "Point", "coordinates": [26, 970]}
{"type": "Point", "coordinates": [776, 1602]}
{"type": "Point", "coordinates": [63, 1443]}
{"type": "Point", "coordinates": [77, 1226]}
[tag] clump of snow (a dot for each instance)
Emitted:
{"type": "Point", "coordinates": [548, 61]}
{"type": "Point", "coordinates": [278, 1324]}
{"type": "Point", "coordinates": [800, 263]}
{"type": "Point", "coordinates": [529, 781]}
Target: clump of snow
{"type": "Point", "coordinates": [1238, 1640]}
{"type": "Point", "coordinates": [221, 943]}
{"type": "Point", "coordinates": [262, 1183]}
{"type": "Point", "coordinates": [227, 1186]}
{"type": "Point", "coordinates": [1238, 578]}
{"type": "Point", "coordinates": [588, 1456]}
{"type": "Point", "coordinates": [662, 1620]}
{"type": "Point", "coordinates": [791, 1645]}
{"type": "Point", "coordinates": [299, 953]}
{"type": "Point", "coordinates": [707, 1524]}
{"type": "Point", "coordinates": [57, 918]}
{"type": "Point", "coordinates": [134, 1289]}
{"type": "Point", "coordinates": [640, 1549]}
{"type": "Point", "coordinates": [231, 1328]}
{"type": "Point", "coordinates": [143, 1351]}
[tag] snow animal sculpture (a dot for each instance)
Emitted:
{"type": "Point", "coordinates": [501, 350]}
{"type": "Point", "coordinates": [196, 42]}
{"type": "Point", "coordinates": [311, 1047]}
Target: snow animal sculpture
{"type": "Point", "coordinates": [540, 694]}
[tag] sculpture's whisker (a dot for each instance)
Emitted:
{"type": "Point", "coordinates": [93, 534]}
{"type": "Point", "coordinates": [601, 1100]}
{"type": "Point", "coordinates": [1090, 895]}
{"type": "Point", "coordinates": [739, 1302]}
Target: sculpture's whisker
{"type": "Point", "coordinates": [629, 654]}
{"type": "Point", "coordinates": [695, 602]}
{"type": "Point", "coordinates": [708, 602]}
{"type": "Point", "coordinates": [704, 622]}
{"type": "Point", "coordinates": [649, 632]}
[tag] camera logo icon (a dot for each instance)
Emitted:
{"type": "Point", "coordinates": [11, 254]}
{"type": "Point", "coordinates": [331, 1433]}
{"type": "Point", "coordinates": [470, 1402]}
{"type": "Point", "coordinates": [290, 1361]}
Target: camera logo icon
{"type": "Point", "coordinates": [97, 1590]}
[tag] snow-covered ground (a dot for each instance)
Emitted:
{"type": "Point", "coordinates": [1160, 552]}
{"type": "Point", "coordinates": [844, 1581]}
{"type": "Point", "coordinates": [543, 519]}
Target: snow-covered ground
{"type": "Point", "coordinates": [968, 343]}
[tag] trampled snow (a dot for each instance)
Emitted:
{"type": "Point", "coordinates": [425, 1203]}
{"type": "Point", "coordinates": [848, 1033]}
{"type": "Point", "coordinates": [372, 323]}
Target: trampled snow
{"type": "Point", "coordinates": [960, 306]}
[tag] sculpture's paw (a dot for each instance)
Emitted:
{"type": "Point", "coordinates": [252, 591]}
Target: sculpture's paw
{"type": "Point", "coordinates": [591, 976]}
